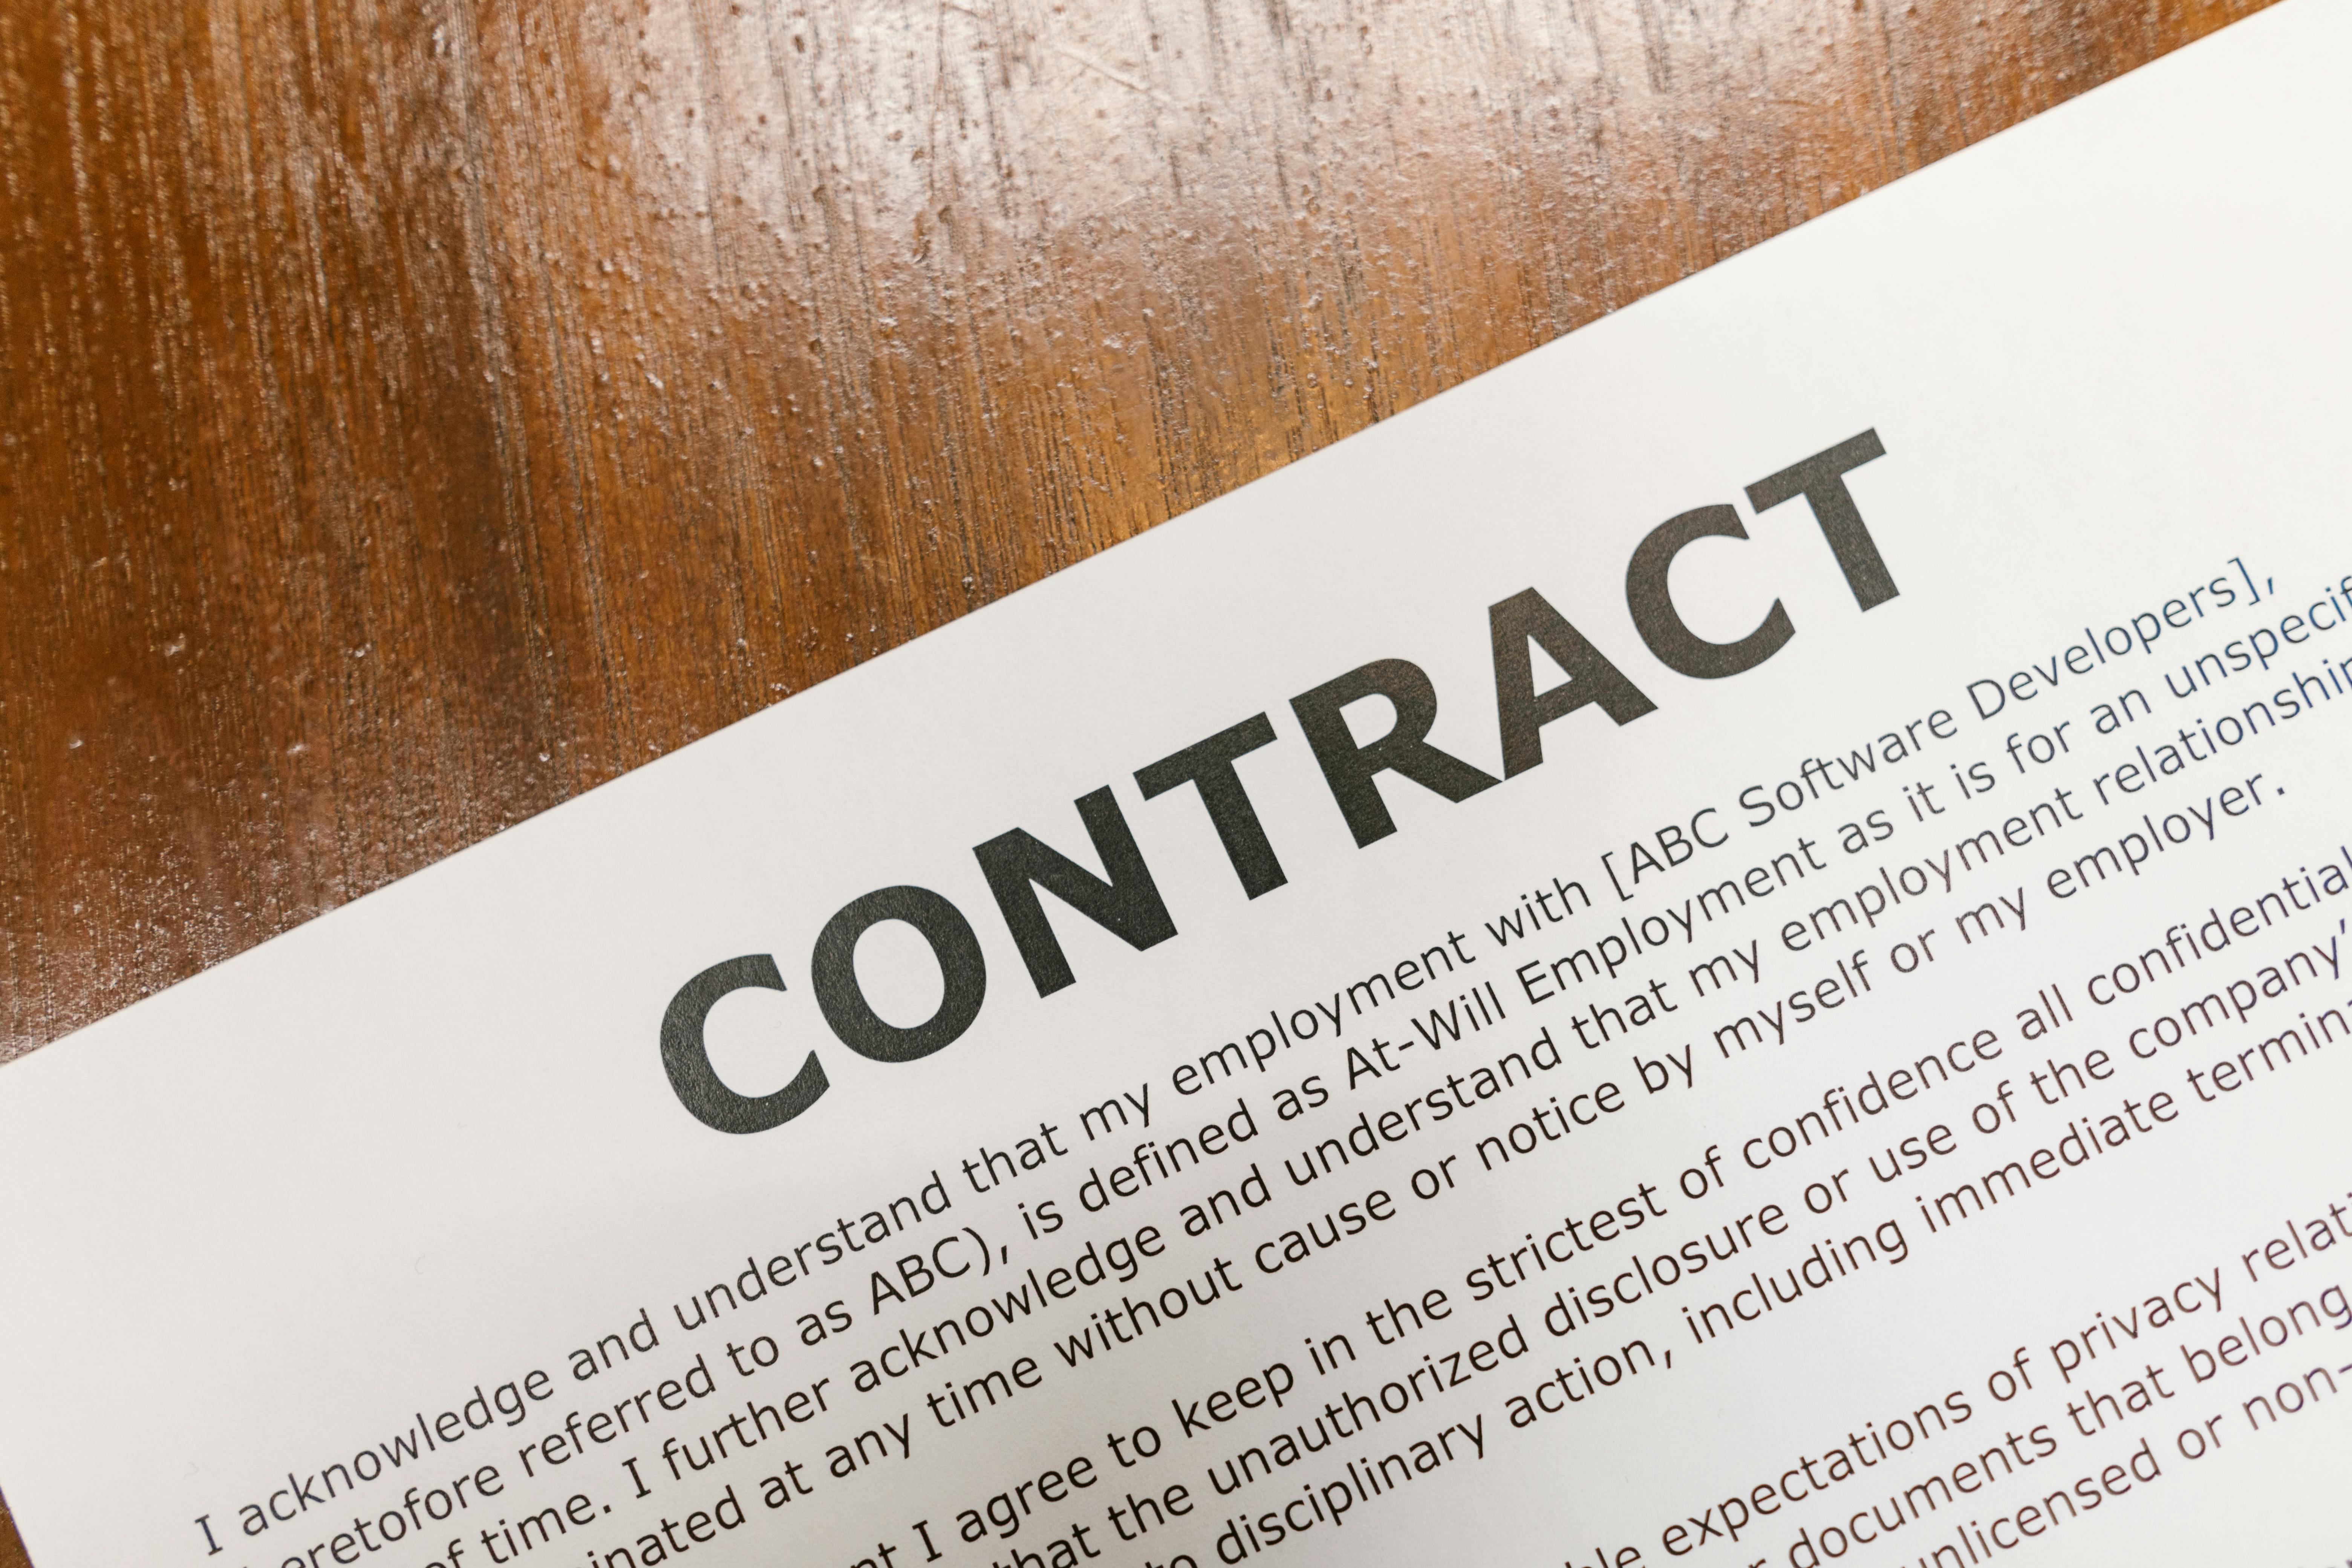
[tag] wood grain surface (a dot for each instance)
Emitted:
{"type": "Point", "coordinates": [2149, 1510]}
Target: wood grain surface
{"type": "Point", "coordinates": [412, 415]}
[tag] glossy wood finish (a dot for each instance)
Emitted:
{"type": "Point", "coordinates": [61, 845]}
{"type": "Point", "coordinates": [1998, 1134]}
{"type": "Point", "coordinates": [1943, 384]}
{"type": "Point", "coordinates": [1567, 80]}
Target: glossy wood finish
{"type": "Point", "coordinates": [412, 415]}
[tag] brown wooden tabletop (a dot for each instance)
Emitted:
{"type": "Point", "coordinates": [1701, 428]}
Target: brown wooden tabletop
{"type": "Point", "coordinates": [412, 415]}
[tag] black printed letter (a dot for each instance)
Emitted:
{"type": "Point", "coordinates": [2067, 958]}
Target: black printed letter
{"type": "Point", "coordinates": [1821, 479]}
{"type": "Point", "coordinates": [687, 1059]}
{"type": "Point", "coordinates": [1128, 905]}
{"type": "Point", "coordinates": [1349, 769]}
{"type": "Point", "coordinates": [963, 974]}
{"type": "Point", "coordinates": [1678, 647]}
{"type": "Point", "coordinates": [1521, 710]}
{"type": "Point", "coordinates": [1210, 765]}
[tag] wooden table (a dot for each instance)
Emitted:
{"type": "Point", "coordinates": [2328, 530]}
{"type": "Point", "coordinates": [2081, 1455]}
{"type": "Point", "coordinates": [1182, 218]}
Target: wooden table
{"type": "Point", "coordinates": [412, 415]}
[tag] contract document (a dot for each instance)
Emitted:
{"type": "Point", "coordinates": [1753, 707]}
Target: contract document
{"type": "Point", "coordinates": [1726, 945]}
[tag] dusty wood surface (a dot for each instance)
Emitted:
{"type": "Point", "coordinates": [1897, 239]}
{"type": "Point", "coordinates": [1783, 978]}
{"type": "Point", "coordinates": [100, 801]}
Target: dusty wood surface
{"type": "Point", "coordinates": [412, 415]}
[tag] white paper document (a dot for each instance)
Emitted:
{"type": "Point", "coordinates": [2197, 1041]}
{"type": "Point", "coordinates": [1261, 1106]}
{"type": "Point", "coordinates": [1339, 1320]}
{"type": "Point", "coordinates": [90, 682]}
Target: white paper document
{"type": "Point", "coordinates": [1728, 945]}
